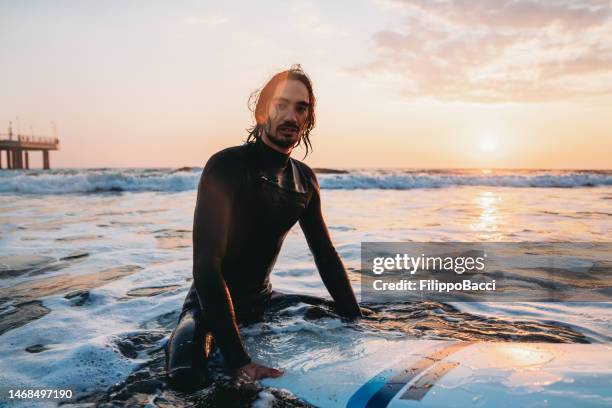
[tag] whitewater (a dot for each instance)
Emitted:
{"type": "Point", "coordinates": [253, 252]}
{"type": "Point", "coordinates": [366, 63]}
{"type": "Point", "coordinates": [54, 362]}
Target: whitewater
{"type": "Point", "coordinates": [95, 264]}
{"type": "Point", "coordinates": [62, 181]}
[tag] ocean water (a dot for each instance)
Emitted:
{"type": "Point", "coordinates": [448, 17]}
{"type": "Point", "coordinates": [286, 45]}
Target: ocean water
{"type": "Point", "coordinates": [95, 264]}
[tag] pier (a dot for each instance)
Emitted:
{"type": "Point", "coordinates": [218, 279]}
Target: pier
{"type": "Point", "coordinates": [18, 148]}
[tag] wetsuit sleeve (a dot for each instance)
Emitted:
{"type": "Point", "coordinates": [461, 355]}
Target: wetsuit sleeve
{"type": "Point", "coordinates": [326, 258]}
{"type": "Point", "coordinates": [216, 193]}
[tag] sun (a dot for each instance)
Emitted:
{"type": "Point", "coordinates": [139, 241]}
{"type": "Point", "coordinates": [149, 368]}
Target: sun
{"type": "Point", "coordinates": [488, 142]}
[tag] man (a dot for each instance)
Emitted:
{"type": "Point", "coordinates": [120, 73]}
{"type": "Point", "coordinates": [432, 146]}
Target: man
{"type": "Point", "coordinates": [249, 197]}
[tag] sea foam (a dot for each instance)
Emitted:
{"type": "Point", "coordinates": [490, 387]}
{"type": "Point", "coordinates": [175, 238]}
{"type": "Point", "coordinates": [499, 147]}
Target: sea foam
{"type": "Point", "coordinates": [62, 181]}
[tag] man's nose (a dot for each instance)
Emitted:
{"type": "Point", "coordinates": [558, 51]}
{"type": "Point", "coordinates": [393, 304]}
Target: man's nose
{"type": "Point", "coordinates": [291, 115]}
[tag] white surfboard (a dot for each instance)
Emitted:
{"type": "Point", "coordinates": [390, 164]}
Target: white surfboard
{"type": "Point", "coordinates": [380, 373]}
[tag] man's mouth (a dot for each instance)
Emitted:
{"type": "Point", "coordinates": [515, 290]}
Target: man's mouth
{"type": "Point", "coordinates": [288, 130]}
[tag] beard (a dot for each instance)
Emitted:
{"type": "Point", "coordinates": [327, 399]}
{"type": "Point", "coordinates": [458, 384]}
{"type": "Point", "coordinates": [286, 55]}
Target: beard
{"type": "Point", "coordinates": [280, 140]}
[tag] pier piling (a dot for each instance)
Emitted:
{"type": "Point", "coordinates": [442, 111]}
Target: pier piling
{"type": "Point", "coordinates": [18, 148]}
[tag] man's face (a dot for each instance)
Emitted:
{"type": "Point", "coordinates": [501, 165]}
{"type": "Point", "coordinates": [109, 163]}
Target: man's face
{"type": "Point", "coordinates": [287, 114]}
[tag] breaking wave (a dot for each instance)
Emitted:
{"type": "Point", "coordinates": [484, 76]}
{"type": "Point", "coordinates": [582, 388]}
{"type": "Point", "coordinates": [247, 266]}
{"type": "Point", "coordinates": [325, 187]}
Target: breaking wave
{"type": "Point", "coordinates": [62, 181]}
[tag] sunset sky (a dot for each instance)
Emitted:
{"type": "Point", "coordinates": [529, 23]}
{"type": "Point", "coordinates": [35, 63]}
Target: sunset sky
{"type": "Point", "coordinates": [436, 84]}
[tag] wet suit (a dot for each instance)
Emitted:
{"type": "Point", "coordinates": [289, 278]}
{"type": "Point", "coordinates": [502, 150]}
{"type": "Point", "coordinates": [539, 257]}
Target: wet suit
{"type": "Point", "coordinates": [249, 197]}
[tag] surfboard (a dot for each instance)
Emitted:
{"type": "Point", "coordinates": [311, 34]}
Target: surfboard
{"type": "Point", "coordinates": [379, 373]}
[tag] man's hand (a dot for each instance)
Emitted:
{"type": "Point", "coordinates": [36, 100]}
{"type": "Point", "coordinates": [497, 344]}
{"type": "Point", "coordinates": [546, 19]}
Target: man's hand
{"type": "Point", "coordinates": [353, 314]}
{"type": "Point", "coordinates": [365, 311]}
{"type": "Point", "coordinates": [256, 371]}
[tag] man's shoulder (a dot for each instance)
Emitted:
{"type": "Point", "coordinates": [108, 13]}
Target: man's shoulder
{"type": "Point", "coordinates": [303, 166]}
{"type": "Point", "coordinates": [306, 170]}
{"type": "Point", "coordinates": [235, 155]}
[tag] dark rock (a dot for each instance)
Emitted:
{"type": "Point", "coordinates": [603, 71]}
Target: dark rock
{"type": "Point", "coordinates": [22, 314]}
{"type": "Point", "coordinates": [329, 171]}
{"type": "Point", "coordinates": [12, 266]}
{"type": "Point", "coordinates": [75, 255]}
{"type": "Point", "coordinates": [180, 169]}
{"type": "Point", "coordinates": [315, 312]}
{"type": "Point", "coordinates": [36, 348]}
{"type": "Point", "coordinates": [78, 297]}
{"type": "Point", "coordinates": [130, 345]}
{"type": "Point", "coordinates": [77, 293]}
{"type": "Point", "coordinates": [151, 291]}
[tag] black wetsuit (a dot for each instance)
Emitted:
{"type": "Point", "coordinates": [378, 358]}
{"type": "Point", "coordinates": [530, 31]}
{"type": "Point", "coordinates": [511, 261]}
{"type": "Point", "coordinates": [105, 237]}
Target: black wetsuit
{"type": "Point", "coordinates": [249, 197]}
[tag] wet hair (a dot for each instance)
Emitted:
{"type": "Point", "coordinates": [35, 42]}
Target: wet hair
{"type": "Point", "coordinates": [259, 102]}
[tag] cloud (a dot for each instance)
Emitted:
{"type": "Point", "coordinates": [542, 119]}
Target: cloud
{"type": "Point", "coordinates": [213, 19]}
{"type": "Point", "coordinates": [307, 17]}
{"type": "Point", "coordinates": [495, 51]}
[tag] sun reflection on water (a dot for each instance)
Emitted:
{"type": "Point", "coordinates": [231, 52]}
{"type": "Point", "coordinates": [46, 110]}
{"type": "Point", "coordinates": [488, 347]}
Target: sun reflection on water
{"type": "Point", "coordinates": [489, 218]}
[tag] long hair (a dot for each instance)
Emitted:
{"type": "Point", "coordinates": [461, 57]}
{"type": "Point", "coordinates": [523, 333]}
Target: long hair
{"type": "Point", "coordinates": [259, 102]}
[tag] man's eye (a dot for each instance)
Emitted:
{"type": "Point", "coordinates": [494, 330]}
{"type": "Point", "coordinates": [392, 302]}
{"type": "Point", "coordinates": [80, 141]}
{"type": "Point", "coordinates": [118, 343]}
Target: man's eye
{"type": "Point", "coordinates": [281, 106]}
{"type": "Point", "coordinates": [301, 109]}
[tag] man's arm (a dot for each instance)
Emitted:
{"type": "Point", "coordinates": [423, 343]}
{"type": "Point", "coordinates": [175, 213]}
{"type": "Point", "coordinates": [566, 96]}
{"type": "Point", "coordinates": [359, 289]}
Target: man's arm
{"type": "Point", "coordinates": [326, 258]}
{"type": "Point", "coordinates": [216, 194]}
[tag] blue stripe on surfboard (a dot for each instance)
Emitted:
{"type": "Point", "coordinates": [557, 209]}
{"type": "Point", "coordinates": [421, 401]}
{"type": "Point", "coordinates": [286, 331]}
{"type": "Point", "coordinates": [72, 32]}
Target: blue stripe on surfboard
{"type": "Point", "coordinates": [361, 397]}
{"type": "Point", "coordinates": [383, 387]}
